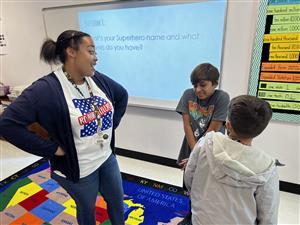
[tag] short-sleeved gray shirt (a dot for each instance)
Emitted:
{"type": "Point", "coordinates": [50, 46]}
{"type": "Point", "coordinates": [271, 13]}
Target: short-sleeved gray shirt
{"type": "Point", "coordinates": [201, 114]}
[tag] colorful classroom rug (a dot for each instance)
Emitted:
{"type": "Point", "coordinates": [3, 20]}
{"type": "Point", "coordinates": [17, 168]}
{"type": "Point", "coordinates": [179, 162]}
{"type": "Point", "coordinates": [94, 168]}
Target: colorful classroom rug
{"type": "Point", "coordinates": [31, 197]}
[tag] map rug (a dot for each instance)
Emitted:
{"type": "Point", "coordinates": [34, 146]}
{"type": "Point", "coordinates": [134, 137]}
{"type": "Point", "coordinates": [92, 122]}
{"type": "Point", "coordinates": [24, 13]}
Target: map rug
{"type": "Point", "coordinates": [31, 197]}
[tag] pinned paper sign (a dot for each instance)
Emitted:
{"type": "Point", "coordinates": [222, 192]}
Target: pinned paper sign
{"type": "Point", "coordinates": [3, 40]}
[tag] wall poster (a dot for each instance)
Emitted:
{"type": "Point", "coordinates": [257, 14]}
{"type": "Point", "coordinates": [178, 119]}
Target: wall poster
{"type": "Point", "coordinates": [275, 69]}
{"type": "Point", "coordinates": [3, 39]}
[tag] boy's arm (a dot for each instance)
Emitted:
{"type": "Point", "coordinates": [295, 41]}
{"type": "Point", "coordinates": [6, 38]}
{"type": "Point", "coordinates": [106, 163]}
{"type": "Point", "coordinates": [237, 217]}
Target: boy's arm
{"type": "Point", "coordinates": [188, 130]}
{"type": "Point", "coordinates": [214, 125]}
{"type": "Point", "coordinates": [220, 113]}
{"type": "Point", "coordinates": [191, 167]}
{"type": "Point", "coordinates": [267, 200]}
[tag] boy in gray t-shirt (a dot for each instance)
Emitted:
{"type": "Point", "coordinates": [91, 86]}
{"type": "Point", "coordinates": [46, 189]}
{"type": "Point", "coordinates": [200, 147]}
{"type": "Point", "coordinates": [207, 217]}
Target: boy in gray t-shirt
{"type": "Point", "coordinates": [203, 109]}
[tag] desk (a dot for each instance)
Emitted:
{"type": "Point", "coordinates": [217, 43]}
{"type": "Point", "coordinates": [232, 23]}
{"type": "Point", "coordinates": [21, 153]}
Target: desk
{"type": "Point", "coordinates": [38, 129]}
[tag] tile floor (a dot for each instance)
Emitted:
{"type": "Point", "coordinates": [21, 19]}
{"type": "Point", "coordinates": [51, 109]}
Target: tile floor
{"type": "Point", "coordinates": [13, 160]}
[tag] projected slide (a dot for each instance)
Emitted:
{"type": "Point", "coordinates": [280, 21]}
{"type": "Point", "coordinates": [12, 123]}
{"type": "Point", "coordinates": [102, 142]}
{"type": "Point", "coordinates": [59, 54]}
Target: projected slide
{"type": "Point", "coordinates": [152, 50]}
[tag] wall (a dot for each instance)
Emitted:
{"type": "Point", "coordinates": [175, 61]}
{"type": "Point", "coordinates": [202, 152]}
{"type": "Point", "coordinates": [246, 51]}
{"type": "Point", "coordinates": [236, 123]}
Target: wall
{"type": "Point", "coordinates": [23, 23]}
{"type": "Point", "coordinates": [153, 131]}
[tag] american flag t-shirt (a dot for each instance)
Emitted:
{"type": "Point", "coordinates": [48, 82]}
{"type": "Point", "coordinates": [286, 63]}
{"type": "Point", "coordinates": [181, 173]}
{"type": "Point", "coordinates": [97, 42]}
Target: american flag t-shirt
{"type": "Point", "coordinates": [88, 118]}
{"type": "Point", "coordinates": [84, 124]}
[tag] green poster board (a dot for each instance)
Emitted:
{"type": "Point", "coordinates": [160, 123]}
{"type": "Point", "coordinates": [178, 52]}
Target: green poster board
{"type": "Point", "coordinates": [275, 69]}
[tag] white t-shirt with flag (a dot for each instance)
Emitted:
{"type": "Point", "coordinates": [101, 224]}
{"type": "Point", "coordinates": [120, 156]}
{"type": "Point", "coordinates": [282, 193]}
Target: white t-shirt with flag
{"type": "Point", "coordinates": [91, 154]}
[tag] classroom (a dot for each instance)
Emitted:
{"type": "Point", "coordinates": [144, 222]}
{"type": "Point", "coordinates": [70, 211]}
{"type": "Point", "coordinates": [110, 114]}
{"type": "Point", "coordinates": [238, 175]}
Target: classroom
{"type": "Point", "coordinates": [254, 45]}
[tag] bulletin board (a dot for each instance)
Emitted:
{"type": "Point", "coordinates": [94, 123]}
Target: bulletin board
{"type": "Point", "coordinates": [275, 68]}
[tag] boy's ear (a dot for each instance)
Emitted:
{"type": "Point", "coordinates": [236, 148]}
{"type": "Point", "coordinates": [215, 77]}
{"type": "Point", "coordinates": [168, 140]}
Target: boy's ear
{"type": "Point", "coordinates": [230, 131]}
{"type": "Point", "coordinates": [228, 125]}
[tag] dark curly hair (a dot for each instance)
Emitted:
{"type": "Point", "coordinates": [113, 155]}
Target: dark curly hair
{"type": "Point", "coordinates": [205, 71]}
{"type": "Point", "coordinates": [249, 115]}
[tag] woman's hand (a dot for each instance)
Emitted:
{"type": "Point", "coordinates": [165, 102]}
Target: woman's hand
{"type": "Point", "coordinates": [60, 152]}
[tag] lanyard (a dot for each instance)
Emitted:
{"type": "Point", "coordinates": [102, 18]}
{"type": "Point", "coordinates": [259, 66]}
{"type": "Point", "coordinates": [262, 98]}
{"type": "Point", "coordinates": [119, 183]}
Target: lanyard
{"type": "Point", "coordinates": [93, 106]}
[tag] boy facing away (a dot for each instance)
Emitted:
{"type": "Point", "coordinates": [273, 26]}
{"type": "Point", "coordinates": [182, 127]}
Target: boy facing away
{"type": "Point", "coordinates": [230, 181]}
{"type": "Point", "coordinates": [203, 109]}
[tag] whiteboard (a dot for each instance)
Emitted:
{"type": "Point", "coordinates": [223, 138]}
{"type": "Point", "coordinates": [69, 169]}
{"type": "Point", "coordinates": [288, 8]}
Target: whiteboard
{"type": "Point", "coordinates": [150, 47]}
